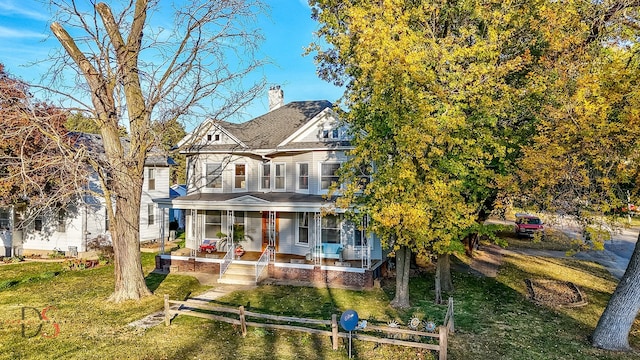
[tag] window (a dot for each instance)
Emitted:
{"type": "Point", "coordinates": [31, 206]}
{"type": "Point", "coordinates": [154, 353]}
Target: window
{"type": "Point", "coordinates": [212, 224]}
{"type": "Point", "coordinates": [360, 232]}
{"type": "Point", "coordinates": [329, 175]}
{"type": "Point", "coordinates": [61, 221]}
{"type": "Point", "coordinates": [303, 176]}
{"type": "Point", "coordinates": [265, 181]}
{"type": "Point", "coordinates": [303, 228]}
{"type": "Point", "coordinates": [280, 176]}
{"type": "Point", "coordinates": [37, 223]}
{"type": "Point", "coordinates": [151, 178]}
{"type": "Point", "coordinates": [331, 229]}
{"type": "Point", "coordinates": [214, 137]}
{"type": "Point", "coordinates": [331, 134]}
{"type": "Point", "coordinates": [5, 216]}
{"type": "Point", "coordinates": [238, 226]}
{"type": "Point", "coordinates": [364, 176]}
{"type": "Point", "coordinates": [214, 176]}
{"type": "Point", "coordinates": [240, 176]}
{"type": "Point", "coordinates": [150, 214]}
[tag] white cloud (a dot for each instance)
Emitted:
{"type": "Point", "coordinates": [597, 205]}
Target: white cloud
{"type": "Point", "coordinates": [6, 32]}
{"type": "Point", "coordinates": [9, 8]}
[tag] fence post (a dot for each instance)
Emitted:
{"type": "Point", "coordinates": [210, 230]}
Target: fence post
{"type": "Point", "coordinates": [243, 323]}
{"type": "Point", "coordinates": [167, 311]}
{"type": "Point", "coordinates": [451, 324]}
{"type": "Point", "coordinates": [443, 343]}
{"type": "Point", "coordinates": [334, 331]}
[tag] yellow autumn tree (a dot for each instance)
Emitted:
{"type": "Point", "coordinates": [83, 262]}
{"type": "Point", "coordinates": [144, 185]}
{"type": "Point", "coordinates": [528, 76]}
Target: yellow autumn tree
{"type": "Point", "coordinates": [431, 87]}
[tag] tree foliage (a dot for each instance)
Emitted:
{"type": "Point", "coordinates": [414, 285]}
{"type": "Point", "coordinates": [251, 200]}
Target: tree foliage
{"type": "Point", "coordinates": [430, 91]}
{"type": "Point", "coordinates": [34, 168]}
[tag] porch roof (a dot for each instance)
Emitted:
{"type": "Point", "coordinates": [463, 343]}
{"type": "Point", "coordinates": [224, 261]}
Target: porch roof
{"type": "Point", "coordinates": [249, 201]}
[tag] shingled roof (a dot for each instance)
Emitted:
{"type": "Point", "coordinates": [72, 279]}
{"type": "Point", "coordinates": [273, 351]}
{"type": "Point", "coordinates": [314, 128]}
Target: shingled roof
{"type": "Point", "coordinates": [270, 129]}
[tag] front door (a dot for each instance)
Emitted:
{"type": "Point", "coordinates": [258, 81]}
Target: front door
{"type": "Point", "coordinates": [275, 223]}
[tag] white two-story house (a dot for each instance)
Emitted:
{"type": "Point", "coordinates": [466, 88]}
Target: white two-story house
{"type": "Point", "coordinates": [263, 184]}
{"type": "Point", "coordinates": [70, 228]}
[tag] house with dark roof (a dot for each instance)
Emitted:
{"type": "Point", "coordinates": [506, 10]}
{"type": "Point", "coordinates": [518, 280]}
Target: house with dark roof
{"type": "Point", "coordinates": [262, 185]}
{"type": "Point", "coordinates": [70, 228]}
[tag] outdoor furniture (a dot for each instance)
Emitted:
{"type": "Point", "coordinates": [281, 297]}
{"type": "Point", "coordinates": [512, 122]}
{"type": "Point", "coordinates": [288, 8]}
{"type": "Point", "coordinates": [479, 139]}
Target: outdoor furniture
{"type": "Point", "coordinates": [208, 245]}
{"type": "Point", "coordinates": [330, 251]}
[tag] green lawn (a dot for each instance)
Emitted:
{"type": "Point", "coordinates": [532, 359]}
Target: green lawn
{"type": "Point", "coordinates": [494, 319]}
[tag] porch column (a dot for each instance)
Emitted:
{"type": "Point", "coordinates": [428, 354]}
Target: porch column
{"type": "Point", "coordinates": [230, 222]}
{"type": "Point", "coordinates": [271, 231]}
{"type": "Point", "coordinates": [317, 239]}
{"type": "Point", "coordinates": [162, 230]}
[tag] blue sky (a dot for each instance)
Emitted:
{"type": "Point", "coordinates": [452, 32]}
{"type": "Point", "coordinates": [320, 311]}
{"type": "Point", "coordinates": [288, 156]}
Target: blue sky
{"type": "Point", "coordinates": [25, 37]}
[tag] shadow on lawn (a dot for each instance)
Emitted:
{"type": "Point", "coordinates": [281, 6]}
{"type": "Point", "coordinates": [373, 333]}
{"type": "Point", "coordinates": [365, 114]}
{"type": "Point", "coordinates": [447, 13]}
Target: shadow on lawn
{"type": "Point", "coordinates": [153, 280]}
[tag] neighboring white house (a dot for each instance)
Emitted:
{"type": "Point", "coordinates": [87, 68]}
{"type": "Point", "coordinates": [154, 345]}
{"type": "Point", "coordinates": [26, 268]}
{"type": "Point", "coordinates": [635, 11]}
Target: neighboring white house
{"type": "Point", "coordinates": [68, 229]}
{"type": "Point", "coordinates": [262, 184]}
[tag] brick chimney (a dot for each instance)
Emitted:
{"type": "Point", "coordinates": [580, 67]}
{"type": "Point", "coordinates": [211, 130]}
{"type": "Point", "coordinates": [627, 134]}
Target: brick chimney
{"type": "Point", "coordinates": [276, 97]}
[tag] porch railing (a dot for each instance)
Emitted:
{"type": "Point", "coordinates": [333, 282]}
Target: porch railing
{"type": "Point", "coordinates": [262, 262]}
{"type": "Point", "coordinates": [226, 261]}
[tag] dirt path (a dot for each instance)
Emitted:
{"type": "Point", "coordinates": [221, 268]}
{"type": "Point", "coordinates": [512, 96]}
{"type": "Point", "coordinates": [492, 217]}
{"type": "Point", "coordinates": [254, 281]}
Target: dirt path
{"type": "Point", "coordinates": [486, 261]}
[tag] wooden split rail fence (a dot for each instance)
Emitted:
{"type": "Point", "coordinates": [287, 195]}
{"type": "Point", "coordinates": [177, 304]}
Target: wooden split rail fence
{"type": "Point", "coordinates": [441, 336]}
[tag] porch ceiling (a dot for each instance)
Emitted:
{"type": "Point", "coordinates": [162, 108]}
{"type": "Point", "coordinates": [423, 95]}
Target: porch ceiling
{"type": "Point", "coordinates": [248, 201]}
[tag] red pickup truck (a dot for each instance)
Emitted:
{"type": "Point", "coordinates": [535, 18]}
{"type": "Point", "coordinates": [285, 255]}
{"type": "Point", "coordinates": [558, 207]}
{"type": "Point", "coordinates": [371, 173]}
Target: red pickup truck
{"type": "Point", "coordinates": [528, 225]}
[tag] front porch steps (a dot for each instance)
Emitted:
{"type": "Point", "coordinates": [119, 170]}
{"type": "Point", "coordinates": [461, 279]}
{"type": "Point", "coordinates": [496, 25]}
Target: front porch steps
{"type": "Point", "coordinates": [239, 274]}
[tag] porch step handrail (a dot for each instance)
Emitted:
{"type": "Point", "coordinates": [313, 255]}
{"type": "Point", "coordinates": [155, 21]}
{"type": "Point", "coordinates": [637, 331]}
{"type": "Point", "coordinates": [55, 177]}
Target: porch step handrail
{"type": "Point", "coordinates": [262, 262]}
{"type": "Point", "coordinates": [226, 261]}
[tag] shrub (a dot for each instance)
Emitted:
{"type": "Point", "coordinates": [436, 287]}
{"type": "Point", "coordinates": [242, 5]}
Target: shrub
{"type": "Point", "coordinates": [103, 246]}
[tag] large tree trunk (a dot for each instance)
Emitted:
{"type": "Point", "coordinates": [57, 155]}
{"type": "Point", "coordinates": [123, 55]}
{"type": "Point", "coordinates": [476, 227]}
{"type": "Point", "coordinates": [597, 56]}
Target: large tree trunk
{"type": "Point", "coordinates": [443, 276]}
{"type": "Point", "coordinates": [125, 233]}
{"type": "Point", "coordinates": [403, 265]}
{"type": "Point", "coordinates": [612, 331]}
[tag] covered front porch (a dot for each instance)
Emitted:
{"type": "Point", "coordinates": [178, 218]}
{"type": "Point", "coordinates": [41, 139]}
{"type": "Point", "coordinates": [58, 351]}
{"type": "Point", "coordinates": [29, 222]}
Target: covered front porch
{"type": "Point", "coordinates": [294, 240]}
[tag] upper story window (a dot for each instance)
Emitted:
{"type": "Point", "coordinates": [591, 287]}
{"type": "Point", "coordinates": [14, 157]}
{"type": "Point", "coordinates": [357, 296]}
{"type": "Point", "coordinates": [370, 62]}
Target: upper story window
{"type": "Point", "coordinates": [240, 180]}
{"type": "Point", "coordinates": [329, 175]}
{"type": "Point", "coordinates": [151, 178]}
{"type": "Point", "coordinates": [214, 176]}
{"type": "Point", "coordinates": [265, 179]}
{"type": "Point", "coordinates": [61, 221]}
{"type": "Point", "coordinates": [213, 137]}
{"type": "Point", "coordinates": [5, 219]}
{"type": "Point", "coordinates": [331, 134]}
{"type": "Point", "coordinates": [37, 223]}
{"type": "Point", "coordinates": [275, 176]}
{"type": "Point", "coordinates": [280, 176]}
{"type": "Point", "coordinates": [303, 176]}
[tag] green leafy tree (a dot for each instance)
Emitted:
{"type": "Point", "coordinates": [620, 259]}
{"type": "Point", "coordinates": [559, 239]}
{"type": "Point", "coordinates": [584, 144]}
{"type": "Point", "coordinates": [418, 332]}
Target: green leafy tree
{"type": "Point", "coordinates": [430, 87]}
{"type": "Point", "coordinates": [584, 157]}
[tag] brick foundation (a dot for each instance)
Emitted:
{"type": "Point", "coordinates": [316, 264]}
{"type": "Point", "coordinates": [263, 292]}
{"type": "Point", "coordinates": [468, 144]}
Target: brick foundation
{"type": "Point", "coordinates": [315, 275]}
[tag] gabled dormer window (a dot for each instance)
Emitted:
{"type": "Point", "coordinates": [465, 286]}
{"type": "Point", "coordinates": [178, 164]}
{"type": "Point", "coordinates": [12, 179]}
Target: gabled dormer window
{"type": "Point", "coordinates": [331, 134]}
